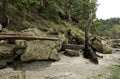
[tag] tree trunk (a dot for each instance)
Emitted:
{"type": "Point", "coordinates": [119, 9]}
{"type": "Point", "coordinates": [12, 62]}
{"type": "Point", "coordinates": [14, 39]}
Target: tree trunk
{"type": "Point", "coordinates": [4, 5]}
{"type": "Point", "coordinates": [4, 8]}
{"type": "Point", "coordinates": [89, 52]}
{"type": "Point", "coordinates": [87, 28]}
{"type": "Point", "coordinates": [4, 18]}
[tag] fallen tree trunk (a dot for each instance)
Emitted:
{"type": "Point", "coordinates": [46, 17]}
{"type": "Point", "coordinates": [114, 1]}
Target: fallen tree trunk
{"type": "Point", "coordinates": [72, 46]}
{"type": "Point", "coordinates": [17, 37]}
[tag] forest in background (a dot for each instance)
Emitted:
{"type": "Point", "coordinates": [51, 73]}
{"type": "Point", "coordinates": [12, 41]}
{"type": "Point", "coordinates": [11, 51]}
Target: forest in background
{"type": "Point", "coordinates": [109, 27]}
{"type": "Point", "coordinates": [25, 14]}
{"type": "Point", "coordinates": [31, 13]}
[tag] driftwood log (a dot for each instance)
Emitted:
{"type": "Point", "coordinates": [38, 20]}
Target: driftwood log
{"type": "Point", "coordinates": [72, 46]}
{"type": "Point", "coordinates": [17, 34]}
{"type": "Point", "coordinates": [20, 36]}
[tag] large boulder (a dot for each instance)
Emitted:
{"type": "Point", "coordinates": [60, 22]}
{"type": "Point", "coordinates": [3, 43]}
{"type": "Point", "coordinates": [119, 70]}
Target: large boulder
{"type": "Point", "coordinates": [77, 35]}
{"type": "Point", "coordinates": [42, 49]}
{"type": "Point", "coordinates": [38, 50]}
{"type": "Point", "coordinates": [102, 46]}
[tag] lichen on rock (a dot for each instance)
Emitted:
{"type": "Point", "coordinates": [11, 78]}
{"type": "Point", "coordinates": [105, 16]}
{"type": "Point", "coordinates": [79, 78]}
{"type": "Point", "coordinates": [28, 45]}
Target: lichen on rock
{"type": "Point", "coordinates": [42, 49]}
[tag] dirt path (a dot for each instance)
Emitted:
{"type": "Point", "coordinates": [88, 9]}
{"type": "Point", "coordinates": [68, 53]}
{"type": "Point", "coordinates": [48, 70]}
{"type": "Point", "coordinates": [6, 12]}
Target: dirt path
{"type": "Point", "coordinates": [66, 68]}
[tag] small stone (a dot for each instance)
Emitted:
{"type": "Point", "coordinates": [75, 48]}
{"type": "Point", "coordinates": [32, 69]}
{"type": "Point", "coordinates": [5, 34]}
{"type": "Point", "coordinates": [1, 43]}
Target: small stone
{"type": "Point", "coordinates": [71, 53]}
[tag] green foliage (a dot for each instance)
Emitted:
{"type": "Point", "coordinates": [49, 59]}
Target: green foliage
{"type": "Point", "coordinates": [48, 10]}
{"type": "Point", "coordinates": [84, 10]}
{"type": "Point", "coordinates": [116, 30]}
{"type": "Point", "coordinates": [75, 12]}
{"type": "Point", "coordinates": [109, 27]}
{"type": "Point", "coordinates": [99, 76]}
{"type": "Point", "coordinates": [22, 4]}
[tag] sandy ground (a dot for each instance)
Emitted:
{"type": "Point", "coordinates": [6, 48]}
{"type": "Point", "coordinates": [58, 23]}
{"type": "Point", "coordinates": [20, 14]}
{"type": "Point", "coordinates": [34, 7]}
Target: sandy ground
{"type": "Point", "coordinates": [66, 68]}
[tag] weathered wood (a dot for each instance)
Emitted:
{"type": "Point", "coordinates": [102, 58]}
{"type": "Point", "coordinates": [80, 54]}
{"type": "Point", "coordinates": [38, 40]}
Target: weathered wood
{"type": "Point", "coordinates": [16, 33]}
{"type": "Point", "coordinates": [14, 37]}
{"type": "Point", "coordinates": [72, 46]}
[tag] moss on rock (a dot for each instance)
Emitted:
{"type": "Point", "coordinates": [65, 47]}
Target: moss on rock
{"type": "Point", "coordinates": [76, 34]}
{"type": "Point", "coordinates": [102, 46]}
{"type": "Point", "coordinates": [42, 49]}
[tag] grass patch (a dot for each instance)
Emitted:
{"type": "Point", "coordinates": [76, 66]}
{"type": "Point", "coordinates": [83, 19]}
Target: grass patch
{"type": "Point", "coordinates": [115, 72]}
{"type": "Point", "coordinates": [99, 76]}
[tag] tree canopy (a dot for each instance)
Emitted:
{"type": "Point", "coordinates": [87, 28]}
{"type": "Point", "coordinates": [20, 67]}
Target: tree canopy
{"type": "Point", "coordinates": [76, 12]}
{"type": "Point", "coordinates": [109, 27]}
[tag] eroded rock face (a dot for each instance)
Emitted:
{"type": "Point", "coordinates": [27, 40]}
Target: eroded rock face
{"type": "Point", "coordinates": [42, 49]}
{"type": "Point", "coordinates": [37, 50]}
{"type": "Point", "coordinates": [9, 54]}
{"type": "Point", "coordinates": [6, 54]}
{"type": "Point", "coordinates": [31, 50]}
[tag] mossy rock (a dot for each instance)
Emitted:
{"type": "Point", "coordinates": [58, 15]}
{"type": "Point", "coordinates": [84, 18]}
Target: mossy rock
{"type": "Point", "coordinates": [62, 39]}
{"type": "Point", "coordinates": [42, 49]}
{"type": "Point", "coordinates": [98, 45]}
{"type": "Point", "coordinates": [106, 48]}
{"type": "Point", "coordinates": [77, 34]}
{"type": "Point", "coordinates": [6, 50]}
{"type": "Point", "coordinates": [72, 53]}
{"type": "Point", "coordinates": [3, 63]}
{"type": "Point", "coordinates": [54, 55]}
{"type": "Point", "coordinates": [102, 47]}
{"type": "Point", "coordinates": [8, 53]}
{"type": "Point", "coordinates": [38, 50]}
